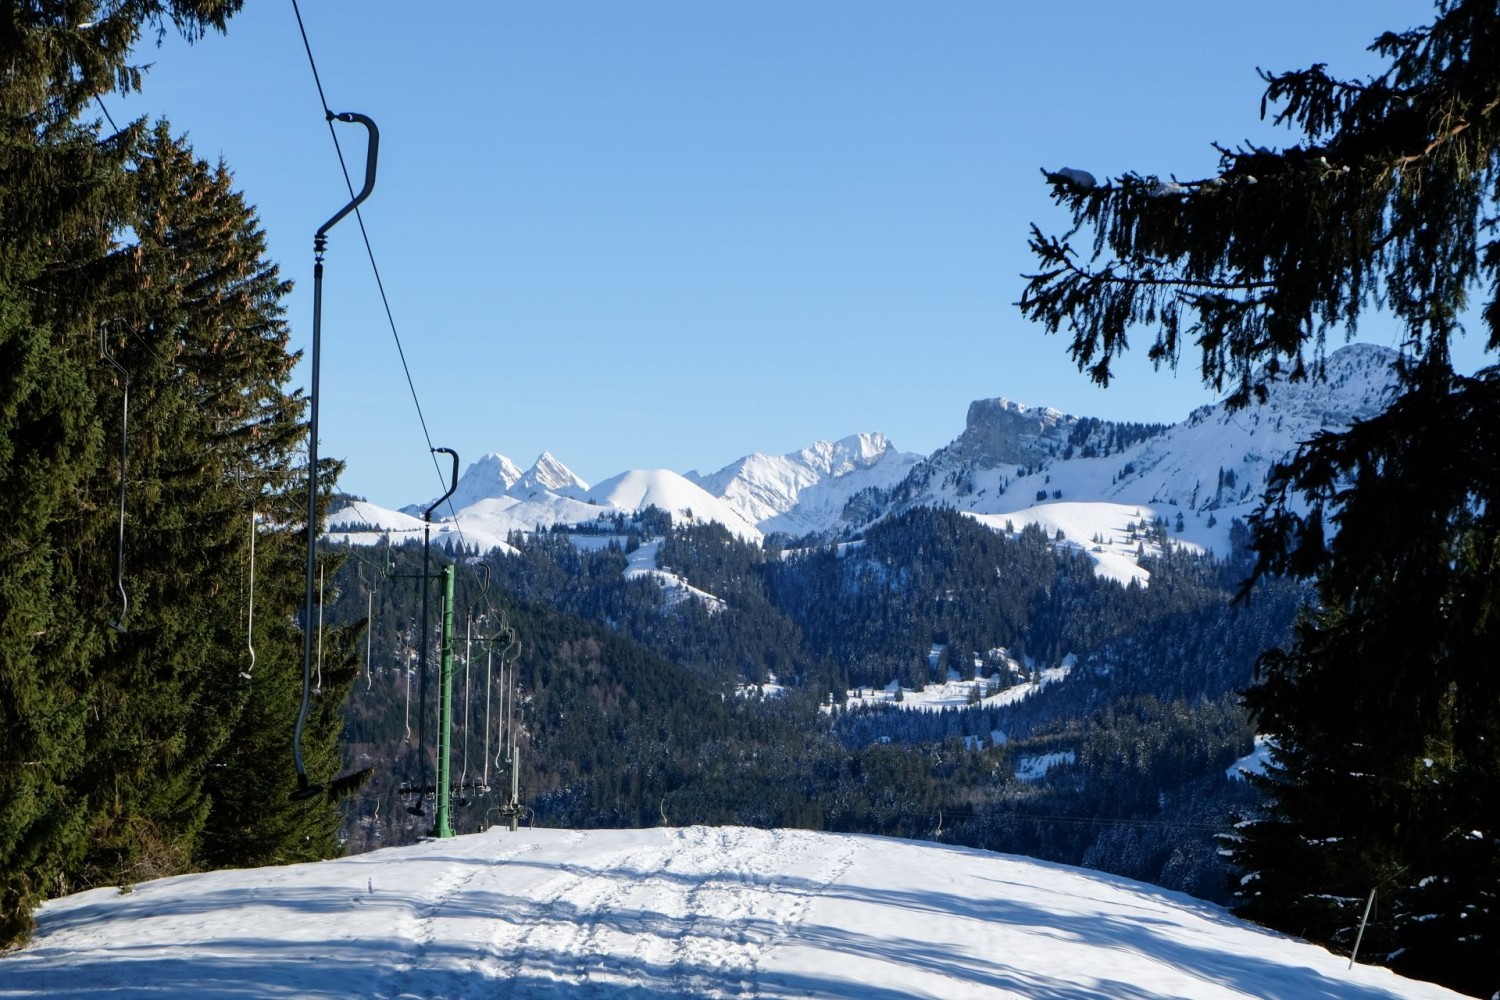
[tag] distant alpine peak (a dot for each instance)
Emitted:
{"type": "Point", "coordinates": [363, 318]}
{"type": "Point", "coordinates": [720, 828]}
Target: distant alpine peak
{"type": "Point", "coordinates": [820, 479]}
{"type": "Point", "coordinates": [489, 477]}
{"type": "Point", "coordinates": [497, 465]}
{"type": "Point", "coordinates": [1014, 463]}
{"type": "Point", "coordinates": [838, 458]}
{"type": "Point", "coordinates": [547, 473]}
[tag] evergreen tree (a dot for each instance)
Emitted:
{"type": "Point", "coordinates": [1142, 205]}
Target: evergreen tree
{"type": "Point", "coordinates": [131, 746]}
{"type": "Point", "coordinates": [1385, 707]}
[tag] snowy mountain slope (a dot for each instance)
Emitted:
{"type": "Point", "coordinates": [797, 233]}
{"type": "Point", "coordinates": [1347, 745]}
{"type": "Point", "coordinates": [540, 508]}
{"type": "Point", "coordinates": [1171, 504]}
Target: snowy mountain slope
{"type": "Point", "coordinates": [491, 476]}
{"type": "Point", "coordinates": [1210, 468]}
{"type": "Point", "coordinates": [1013, 463]}
{"type": "Point", "coordinates": [668, 913]}
{"type": "Point", "coordinates": [1108, 533]}
{"type": "Point", "coordinates": [363, 516]}
{"type": "Point", "coordinates": [499, 516]}
{"type": "Point", "coordinates": [548, 475]}
{"type": "Point", "coordinates": [642, 488]}
{"type": "Point", "coordinates": [641, 564]}
{"type": "Point", "coordinates": [955, 692]}
{"type": "Point", "coordinates": [364, 523]}
{"type": "Point", "coordinates": [812, 486]}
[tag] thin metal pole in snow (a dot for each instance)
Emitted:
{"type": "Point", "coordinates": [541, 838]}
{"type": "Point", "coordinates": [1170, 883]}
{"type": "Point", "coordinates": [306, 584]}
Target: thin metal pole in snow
{"type": "Point", "coordinates": [369, 633]}
{"type": "Point", "coordinates": [463, 776]}
{"type": "Point", "coordinates": [515, 790]}
{"type": "Point", "coordinates": [407, 674]}
{"type": "Point", "coordinates": [510, 711]}
{"type": "Point", "coordinates": [489, 664]}
{"type": "Point", "coordinates": [1361, 936]}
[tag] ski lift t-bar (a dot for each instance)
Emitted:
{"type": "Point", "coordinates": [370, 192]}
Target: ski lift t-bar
{"type": "Point", "coordinates": [304, 789]}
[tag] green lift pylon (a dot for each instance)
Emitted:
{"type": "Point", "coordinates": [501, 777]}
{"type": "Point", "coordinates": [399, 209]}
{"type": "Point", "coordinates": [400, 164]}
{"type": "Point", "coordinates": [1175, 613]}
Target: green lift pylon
{"type": "Point", "coordinates": [445, 724]}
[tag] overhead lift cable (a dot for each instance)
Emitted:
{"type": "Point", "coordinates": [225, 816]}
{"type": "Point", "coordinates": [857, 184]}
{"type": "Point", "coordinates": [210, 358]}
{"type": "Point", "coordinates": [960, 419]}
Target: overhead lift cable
{"type": "Point", "coordinates": [364, 234]}
{"type": "Point", "coordinates": [374, 267]}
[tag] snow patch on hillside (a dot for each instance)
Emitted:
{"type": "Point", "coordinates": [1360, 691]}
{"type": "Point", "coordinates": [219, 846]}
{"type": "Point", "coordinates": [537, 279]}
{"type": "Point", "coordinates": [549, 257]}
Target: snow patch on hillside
{"type": "Point", "coordinates": [1254, 762]}
{"type": "Point", "coordinates": [1035, 768]}
{"type": "Point", "coordinates": [642, 564]}
{"type": "Point", "coordinates": [1115, 536]}
{"type": "Point", "coordinates": [995, 690]}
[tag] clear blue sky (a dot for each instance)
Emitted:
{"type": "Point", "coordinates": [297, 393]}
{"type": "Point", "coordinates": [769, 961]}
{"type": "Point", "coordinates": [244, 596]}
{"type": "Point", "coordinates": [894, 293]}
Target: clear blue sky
{"type": "Point", "coordinates": [667, 233]}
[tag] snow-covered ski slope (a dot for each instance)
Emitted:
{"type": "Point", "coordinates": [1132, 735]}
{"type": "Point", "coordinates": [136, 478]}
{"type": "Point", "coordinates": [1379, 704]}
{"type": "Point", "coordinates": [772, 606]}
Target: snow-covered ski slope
{"type": "Point", "coordinates": [666, 913]}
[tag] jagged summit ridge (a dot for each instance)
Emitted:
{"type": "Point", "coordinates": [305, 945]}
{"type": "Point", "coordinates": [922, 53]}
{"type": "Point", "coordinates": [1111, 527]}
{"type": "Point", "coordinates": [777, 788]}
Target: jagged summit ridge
{"type": "Point", "coordinates": [765, 488]}
{"type": "Point", "coordinates": [547, 474]}
{"type": "Point", "coordinates": [495, 476]}
{"type": "Point", "coordinates": [1032, 465]}
{"type": "Point", "coordinates": [491, 476]}
{"type": "Point", "coordinates": [1013, 463]}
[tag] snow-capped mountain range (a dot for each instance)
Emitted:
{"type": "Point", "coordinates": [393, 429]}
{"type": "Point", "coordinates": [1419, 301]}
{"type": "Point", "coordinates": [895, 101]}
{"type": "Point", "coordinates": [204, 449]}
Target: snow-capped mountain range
{"type": "Point", "coordinates": [1098, 482]}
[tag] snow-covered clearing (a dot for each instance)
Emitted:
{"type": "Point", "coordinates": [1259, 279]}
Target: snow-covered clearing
{"type": "Point", "coordinates": [1255, 762]}
{"type": "Point", "coordinates": [955, 693]}
{"type": "Point", "coordinates": [666, 913]}
{"type": "Point", "coordinates": [1111, 534]}
{"type": "Point", "coordinates": [1035, 768]}
{"type": "Point", "coordinates": [642, 563]}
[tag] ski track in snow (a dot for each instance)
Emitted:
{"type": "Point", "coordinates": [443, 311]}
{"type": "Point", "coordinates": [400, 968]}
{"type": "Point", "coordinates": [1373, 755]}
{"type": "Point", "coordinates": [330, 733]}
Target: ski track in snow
{"type": "Point", "coordinates": [422, 929]}
{"type": "Point", "coordinates": [664, 913]}
{"type": "Point", "coordinates": [696, 914]}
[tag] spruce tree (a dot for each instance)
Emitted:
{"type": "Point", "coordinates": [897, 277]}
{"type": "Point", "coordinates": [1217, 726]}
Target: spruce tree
{"type": "Point", "coordinates": [130, 746]}
{"type": "Point", "coordinates": [1385, 708]}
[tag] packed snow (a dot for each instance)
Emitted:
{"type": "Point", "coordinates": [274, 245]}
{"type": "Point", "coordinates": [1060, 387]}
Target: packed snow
{"type": "Point", "coordinates": [696, 912]}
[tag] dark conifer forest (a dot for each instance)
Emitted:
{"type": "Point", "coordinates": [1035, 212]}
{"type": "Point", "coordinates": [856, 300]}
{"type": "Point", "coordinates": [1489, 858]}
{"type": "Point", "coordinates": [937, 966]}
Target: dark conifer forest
{"type": "Point", "coordinates": [636, 708]}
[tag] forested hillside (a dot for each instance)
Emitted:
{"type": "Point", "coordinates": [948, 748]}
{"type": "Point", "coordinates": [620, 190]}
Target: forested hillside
{"type": "Point", "coordinates": [636, 704]}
